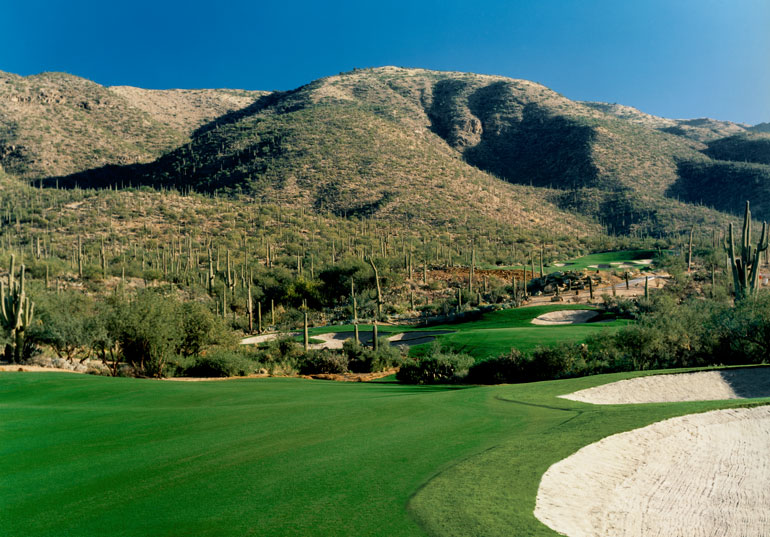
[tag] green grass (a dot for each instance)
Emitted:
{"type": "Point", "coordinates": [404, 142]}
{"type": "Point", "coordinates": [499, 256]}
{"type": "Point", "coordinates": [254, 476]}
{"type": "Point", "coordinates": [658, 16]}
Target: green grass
{"type": "Point", "coordinates": [496, 332]}
{"type": "Point", "coordinates": [83, 455]}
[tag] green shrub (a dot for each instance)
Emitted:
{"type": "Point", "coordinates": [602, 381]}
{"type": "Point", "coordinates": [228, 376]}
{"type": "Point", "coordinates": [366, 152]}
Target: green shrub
{"type": "Point", "coordinates": [366, 360]}
{"type": "Point", "coordinates": [221, 363]}
{"type": "Point", "coordinates": [323, 361]}
{"type": "Point", "coordinates": [439, 367]}
{"type": "Point", "coordinates": [507, 368]}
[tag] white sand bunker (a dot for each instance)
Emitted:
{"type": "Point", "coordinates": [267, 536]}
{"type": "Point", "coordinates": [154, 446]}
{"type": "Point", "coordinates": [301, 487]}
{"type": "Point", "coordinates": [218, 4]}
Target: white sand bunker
{"type": "Point", "coordinates": [565, 317]}
{"type": "Point", "coordinates": [701, 386]}
{"type": "Point", "coordinates": [702, 474]}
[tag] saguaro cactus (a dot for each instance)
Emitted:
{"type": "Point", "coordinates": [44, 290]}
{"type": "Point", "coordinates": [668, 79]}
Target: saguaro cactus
{"type": "Point", "coordinates": [16, 312]}
{"type": "Point", "coordinates": [745, 267]}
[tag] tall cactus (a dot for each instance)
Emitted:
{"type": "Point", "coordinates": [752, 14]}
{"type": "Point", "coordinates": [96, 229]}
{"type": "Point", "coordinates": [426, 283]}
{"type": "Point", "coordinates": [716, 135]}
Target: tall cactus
{"type": "Point", "coordinates": [16, 312]}
{"type": "Point", "coordinates": [745, 267]}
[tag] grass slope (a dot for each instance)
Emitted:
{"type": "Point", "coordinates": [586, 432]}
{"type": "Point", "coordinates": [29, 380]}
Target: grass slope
{"type": "Point", "coordinates": [90, 456]}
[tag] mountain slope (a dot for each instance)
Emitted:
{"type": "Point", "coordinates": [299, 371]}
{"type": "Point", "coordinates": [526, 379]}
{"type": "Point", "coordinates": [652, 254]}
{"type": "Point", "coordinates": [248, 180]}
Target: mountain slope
{"type": "Point", "coordinates": [186, 110]}
{"type": "Point", "coordinates": [56, 124]}
{"type": "Point", "coordinates": [434, 146]}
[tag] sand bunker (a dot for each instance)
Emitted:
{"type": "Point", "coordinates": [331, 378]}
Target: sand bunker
{"type": "Point", "coordinates": [334, 340]}
{"type": "Point", "coordinates": [702, 474]}
{"type": "Point", "coordinates": [700, 386]}
{"type": "Point", "coordinates": [565, 317]}
{"type": "Point", "coordinates": [408, 339]}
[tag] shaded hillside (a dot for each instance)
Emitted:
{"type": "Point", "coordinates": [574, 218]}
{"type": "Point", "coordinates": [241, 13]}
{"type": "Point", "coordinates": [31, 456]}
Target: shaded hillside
{"type": "Point", "coordinates": [725, 186]}
{"type": "Point", "coordinates": [292, 158]}
{"type": "Point", "coordinates": [748, 147]}
{"type": "Point", "coordinates": [55, 123]}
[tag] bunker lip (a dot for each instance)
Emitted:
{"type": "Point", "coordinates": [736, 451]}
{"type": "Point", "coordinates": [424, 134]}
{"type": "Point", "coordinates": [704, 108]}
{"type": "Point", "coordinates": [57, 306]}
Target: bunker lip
{"type": "Point", "coordinates": [742, 383]}
{"type": "Point", "coordinates": [700, 474]}
{"type": "Point", "coordinates": [565, 317]}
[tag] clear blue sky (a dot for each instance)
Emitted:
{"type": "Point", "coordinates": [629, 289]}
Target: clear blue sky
{"type": "Point", "coordinates": [675, 58]}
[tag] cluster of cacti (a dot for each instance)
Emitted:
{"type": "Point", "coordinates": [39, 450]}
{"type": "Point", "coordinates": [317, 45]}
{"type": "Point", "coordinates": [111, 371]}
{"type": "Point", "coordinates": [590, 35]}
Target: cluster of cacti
{"type": "Point", "coordinates": [16, 312]}
{"type": "Point", "coordinates": [745, 266]}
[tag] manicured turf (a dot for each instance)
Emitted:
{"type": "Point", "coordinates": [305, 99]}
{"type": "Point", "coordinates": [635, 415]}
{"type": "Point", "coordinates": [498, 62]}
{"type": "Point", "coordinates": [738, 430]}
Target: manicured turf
{"type": "Point", "coordinates": [83, 455]}
{"type": "Point", "coordinates": [496, 332]}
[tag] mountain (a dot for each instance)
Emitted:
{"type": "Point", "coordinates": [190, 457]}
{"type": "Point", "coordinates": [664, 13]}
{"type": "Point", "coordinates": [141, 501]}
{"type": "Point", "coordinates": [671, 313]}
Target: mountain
{"type": "Point", "coordinates": [700, 130]}
{"type": "Point", "coordinates": [428, 146]}
{"type": "Point", "coordinates": [56, 124]}
{"type": "Point", "coordinates": [431, 145]}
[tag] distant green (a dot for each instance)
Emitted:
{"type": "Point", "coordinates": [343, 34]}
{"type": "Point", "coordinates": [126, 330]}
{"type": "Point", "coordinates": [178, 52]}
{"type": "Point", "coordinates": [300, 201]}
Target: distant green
{"type": "Point", "coordinates": [496, 332]}
{"type": "Point", "coordinates": [582, 263]}
{"type": "Point", "coordinates": [83, 455]}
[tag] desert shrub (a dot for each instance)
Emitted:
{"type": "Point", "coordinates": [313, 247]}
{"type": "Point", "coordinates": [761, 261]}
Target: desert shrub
{"type": "Point", "coordinates": [69, 323]}
{"type": "Point", "coordinates": [149, 331]}
{"type": "Point", "coordinates": [366, 360]}
{"type": "Point", "coordinates": [560, 361]}
{"type": "Point", "coordinates": [741, 335]}
{"type": "Point", "coordinates": [439, 367]}
{"type": "Point", "coordinates": [626, 308]}
{"type": "Point", "coordinates": [507, 368]}
{"type": "Point", "coordinates": [323, 361]}
{"type": "Point", "coordinates": [201, 328]}
{"type": "Point", "coordinates": [221, 363]}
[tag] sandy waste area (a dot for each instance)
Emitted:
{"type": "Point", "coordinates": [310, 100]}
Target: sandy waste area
{"type": "Point", "coordinates": [697, 475]}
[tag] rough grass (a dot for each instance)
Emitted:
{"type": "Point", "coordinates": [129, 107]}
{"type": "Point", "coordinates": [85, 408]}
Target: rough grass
{"type": "Point", "coordinates": [93, 456]}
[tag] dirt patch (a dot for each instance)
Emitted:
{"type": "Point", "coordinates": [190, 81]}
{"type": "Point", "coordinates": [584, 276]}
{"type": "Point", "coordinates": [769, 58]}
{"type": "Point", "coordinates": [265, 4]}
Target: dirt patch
{"type": "Point", "coordinates": [37, 369]}
{"type": "Point", "coordinates": [702, 474]}
{"type": "Point", "coordinates": [565, 317]}
{"type": "Point", "coordinates": [700, 386]}
{"type": "Point", "coordinates": [352, 377]}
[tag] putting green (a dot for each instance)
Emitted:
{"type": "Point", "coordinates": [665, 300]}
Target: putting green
{"type": "Point", "coordinates": [494, 333]}
{"type": "Point", "coordinates": [83, 455]}
{"type": "Point", "coordinates": [497, 332]}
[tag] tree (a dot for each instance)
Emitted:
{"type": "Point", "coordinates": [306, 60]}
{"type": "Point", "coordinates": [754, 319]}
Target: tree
{"type": "Point", "coordinates": [150, 332]}
{"type": "Point", "coordinates": [69, 321]}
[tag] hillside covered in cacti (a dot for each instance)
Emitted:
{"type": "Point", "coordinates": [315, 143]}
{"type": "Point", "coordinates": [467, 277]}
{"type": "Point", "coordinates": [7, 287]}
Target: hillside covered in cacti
{"type": "Point", "coordinates": [440, 148]}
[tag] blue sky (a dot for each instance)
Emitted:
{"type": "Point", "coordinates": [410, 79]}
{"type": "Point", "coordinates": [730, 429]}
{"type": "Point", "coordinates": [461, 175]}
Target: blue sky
{"type": "Point", "coordinates": [675, 58]}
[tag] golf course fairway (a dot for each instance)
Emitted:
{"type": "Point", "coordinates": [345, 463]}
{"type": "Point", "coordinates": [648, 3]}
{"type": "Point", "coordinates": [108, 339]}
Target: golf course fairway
{"type": "Point", "coordinates": [83, 455]}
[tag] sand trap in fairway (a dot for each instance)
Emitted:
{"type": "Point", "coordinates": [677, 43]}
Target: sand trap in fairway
{"type": "Point", "coordinates": [700, 386]}
{"type": "Point", "coordinates": [565, 317]}
{"type": "Point", "coordinates": [336, 339]}
{"type": "Point", "coordinates": [702, 474]}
